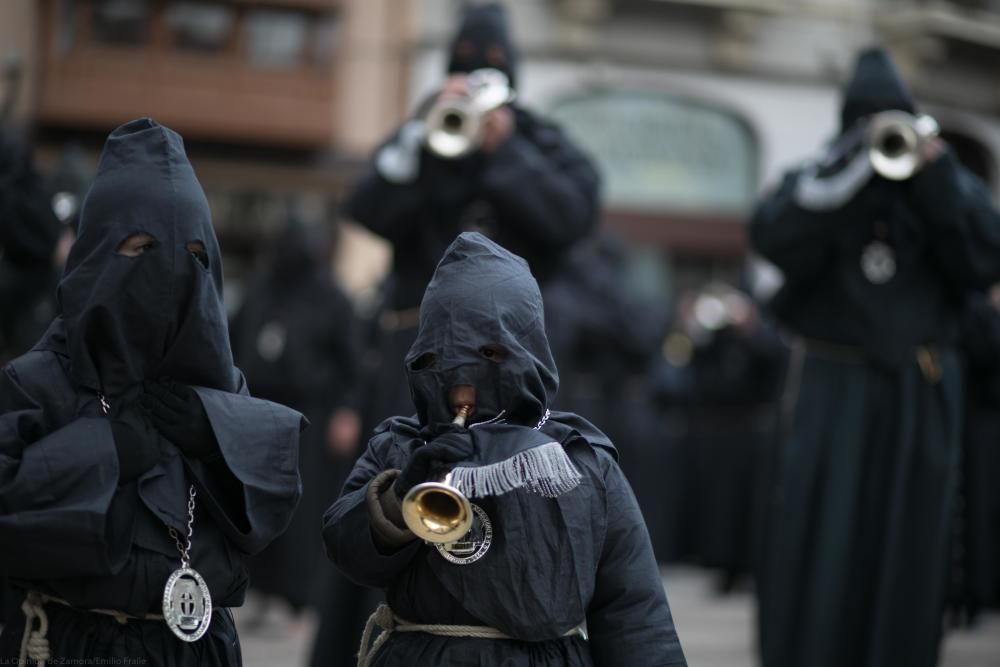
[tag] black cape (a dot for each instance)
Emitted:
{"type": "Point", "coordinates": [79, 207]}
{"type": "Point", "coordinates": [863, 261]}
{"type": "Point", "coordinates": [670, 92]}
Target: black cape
{"type": "Point", "coordinates": [861, 514]}
{"type": "Point", "coordinates": [555, 561]}
{"type": "Point", "coordinates": [69, 527]}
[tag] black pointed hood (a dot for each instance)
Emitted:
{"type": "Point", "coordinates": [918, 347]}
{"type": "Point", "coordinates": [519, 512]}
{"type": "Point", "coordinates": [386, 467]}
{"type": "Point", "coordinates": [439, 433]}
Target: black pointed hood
{"type": "Point", "coordinates": [160, 313]}
{"type": "Point", "coordinates": [875, 86]}
{"type": "Point", "coordinates": [483, 40]}
{"type": "Point", "coordinates": [482, 297]}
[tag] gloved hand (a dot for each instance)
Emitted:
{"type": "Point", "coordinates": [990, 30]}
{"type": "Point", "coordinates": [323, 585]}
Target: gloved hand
{"type": "Point", "coordinates": [136, 441]}
{"type": "Point", "coordinates": [177, 413]}
{"type": "Point", "coordinates": [429, 460]}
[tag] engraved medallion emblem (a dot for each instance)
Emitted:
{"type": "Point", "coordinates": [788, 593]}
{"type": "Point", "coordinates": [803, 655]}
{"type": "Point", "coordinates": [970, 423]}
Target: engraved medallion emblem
{"type": "Point", "coordinates": [187, 604]}
{"type": "Point", "coordinates": [474, 544]}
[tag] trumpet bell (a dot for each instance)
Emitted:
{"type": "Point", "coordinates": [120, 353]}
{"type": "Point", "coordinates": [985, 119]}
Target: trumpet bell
{"type": "Point", "coordinates": [454, 129]}
{"type": "Point", "coordinates": [895, 139]}
{"type": "Point", "coordinates": [437, 512]}
{"type": "Point", "coordinates": [455, 123]}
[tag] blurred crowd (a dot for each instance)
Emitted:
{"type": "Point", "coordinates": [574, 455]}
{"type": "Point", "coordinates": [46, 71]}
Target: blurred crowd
{"type": "Point", "coordinates": [699, 391]}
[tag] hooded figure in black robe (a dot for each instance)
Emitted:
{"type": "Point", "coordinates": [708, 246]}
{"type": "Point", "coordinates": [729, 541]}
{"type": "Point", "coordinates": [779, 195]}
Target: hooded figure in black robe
{"type": "Point", "coordinates": [128, 403]}
{"type": "Point", "coordinates": [568, 543]}
{"type": "Point", "coordinates": [29, 232]}
{"type": "Point", "coordinates": [875, 272]}
{"type": "Point", "coordinates": [535, 194]}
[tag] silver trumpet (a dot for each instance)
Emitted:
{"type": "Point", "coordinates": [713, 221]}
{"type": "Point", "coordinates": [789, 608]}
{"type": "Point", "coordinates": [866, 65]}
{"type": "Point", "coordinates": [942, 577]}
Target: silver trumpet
{"type": "Point", "coordinates": [438, 512]}
{"type": "Point", "coordinates": [455, 123]}
{"type": "Point", "coordinates": [896, 140]}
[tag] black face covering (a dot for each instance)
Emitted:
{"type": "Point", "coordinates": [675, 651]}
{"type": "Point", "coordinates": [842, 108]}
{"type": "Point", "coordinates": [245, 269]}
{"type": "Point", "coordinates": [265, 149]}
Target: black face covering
{"type": "Point", "coordinates": [876, 86]}
{"type": "Point", "coordinates": [159, 313]}
{"type": "Point", "coordinates": [482, 324]}
{"type": "Point", "coordinates": [483, 41]}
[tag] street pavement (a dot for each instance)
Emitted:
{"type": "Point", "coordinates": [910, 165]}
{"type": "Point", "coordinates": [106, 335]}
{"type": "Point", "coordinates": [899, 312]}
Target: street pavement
{"type": "Point", "coordinates": [716, 631]}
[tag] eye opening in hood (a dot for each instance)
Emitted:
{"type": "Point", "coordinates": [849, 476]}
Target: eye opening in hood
{"type": "Point", "coordinates": [136, 244]}
{"type": "Point", "coordinates": [423, 362]}
{"type": "Point", "coordinates": [494, 352]}
{"type": "Point", "coordinates": [197, 250]}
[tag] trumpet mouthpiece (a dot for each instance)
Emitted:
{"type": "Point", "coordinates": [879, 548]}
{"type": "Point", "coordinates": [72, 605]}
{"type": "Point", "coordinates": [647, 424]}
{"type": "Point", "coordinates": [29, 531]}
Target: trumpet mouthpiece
{"type": "Point", "coordinates": [463, 414]}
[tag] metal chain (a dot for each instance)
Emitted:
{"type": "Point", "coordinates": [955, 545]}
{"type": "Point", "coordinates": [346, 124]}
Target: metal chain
{"type": "Point", "coordinates": [185, 548]}
{"type": "Point", "coordinates": [545, 418]}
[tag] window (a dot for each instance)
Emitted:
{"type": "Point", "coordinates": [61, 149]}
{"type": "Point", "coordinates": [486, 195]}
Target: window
{"type": "Point", "coordinates": [200, 26]}
{"type": "Point", "coordinates": [276, 38]}
{"type": "Point", "coordinates": [124, 22]}
{"type": "Point", "coordinates": [326, 35]}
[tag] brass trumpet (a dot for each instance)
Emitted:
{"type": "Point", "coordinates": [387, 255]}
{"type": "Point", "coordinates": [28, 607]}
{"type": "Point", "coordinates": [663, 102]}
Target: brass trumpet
{"type": "Point", "coordinates": [455, 123]}
{"type": "Point", "coordinates": [438, 512]}
{"type": "Point", "coordinates": [896, 140]}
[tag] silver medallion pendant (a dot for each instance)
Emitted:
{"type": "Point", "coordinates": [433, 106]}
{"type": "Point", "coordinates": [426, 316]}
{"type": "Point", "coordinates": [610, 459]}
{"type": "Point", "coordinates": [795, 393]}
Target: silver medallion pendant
{"type": "Point", "coordinates": [187, 604]}
{"type": "Point", "coordinates": [474, 544]}
{"type": "Point", "coordinates": [878, 262]}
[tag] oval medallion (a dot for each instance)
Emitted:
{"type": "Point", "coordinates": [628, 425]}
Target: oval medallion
{"type": "Point", "coordinates": [878, 262]}
{"type": "Point", "coordinates": [474, 544]}
{"type": "Point", "coordinates": [271, 341]}
{"type": "Point", "coordinates": [187, 604]}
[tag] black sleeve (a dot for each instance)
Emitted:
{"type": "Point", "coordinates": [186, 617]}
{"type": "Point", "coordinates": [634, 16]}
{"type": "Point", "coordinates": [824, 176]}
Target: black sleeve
{"type": "Point", "coordinates": [799, 241]}
{"type": "Point", "coordinates": [540, 182]}
{"type": "Point", "coordinates": [963, 224]}
{"type": "Point", "coordinates": [629, 620]}
{"type": "Point", "coordinates": [253, 489]}
{"type": "Point", "coordinates": [348, 533]}
{"type": "Point", "coordinates": [57, 491]}
{"type": "Point", "coordinates": [386, 206]}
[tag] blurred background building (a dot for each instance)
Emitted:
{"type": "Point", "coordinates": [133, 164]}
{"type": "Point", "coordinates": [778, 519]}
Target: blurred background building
{"type": "Point", "coordinates": [689, 106]}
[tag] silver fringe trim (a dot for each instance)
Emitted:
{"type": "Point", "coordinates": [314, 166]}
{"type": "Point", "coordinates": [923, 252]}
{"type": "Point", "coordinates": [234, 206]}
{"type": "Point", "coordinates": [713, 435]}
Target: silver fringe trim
{"type": "Point", "coordinates": [545, 470]}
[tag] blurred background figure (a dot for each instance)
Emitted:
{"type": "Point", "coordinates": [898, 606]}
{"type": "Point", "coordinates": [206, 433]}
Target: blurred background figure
{"type": "Point", "coordinates": [734, 361]}
{"type": "Point", "coordinates": [296, 340]}
{"type": "Point", "coordinates": [29, 231]}
{"type": "Point", "coordinates": [876, 255]}
{"type": "Point", "coordinates": [605, 330]}
{"type": "Point", "coordinates": [517, 179]}
{"type": "Point", "coordinates": [974, 585]}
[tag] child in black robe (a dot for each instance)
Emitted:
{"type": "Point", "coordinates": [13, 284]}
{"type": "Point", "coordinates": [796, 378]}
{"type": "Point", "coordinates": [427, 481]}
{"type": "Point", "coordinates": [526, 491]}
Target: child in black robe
{"type": "Point", "coordinates": [558, 568]}
{"type": "Point", "coordinates": [129, 445]}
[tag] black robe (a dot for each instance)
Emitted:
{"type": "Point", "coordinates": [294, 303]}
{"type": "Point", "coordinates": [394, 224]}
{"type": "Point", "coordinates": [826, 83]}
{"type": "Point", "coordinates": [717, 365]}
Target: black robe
{"type": "Point", "coordinates": [860, 517]}
{"type": "Point", "coordinates": [976, 553]}
{"type": "Point", "coordinates": [71, 527]}
{"type": "Point", "coordinates": [555, 562]}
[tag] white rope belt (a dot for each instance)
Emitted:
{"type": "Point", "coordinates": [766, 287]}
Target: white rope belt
{"type": "Point", "coordinates": [389, 622]}
{"type": "Point", "coordinates": [35, 643]}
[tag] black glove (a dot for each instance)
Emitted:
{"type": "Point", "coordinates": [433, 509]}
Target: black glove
{"type": "Point", "coordinates": [429, 460]}
{"type": "Point", "coordinates": [136, 441]}
{"type": "Point", "coordinates": [177, 413]}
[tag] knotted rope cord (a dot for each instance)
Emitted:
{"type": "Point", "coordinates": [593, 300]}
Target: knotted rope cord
{"type": "Point", "coordinates": [34, 643]}
{"type": "Point", "coordinates": [386, 619]}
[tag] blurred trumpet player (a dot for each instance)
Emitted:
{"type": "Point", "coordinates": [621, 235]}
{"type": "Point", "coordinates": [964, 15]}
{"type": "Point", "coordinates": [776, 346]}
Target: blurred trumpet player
{"type": "Point", "coordinates": [878, 240]}
{"type": "Point", "coordinates": [535, 531]}
{"type": "Point", "coordinates": [469, 159]}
